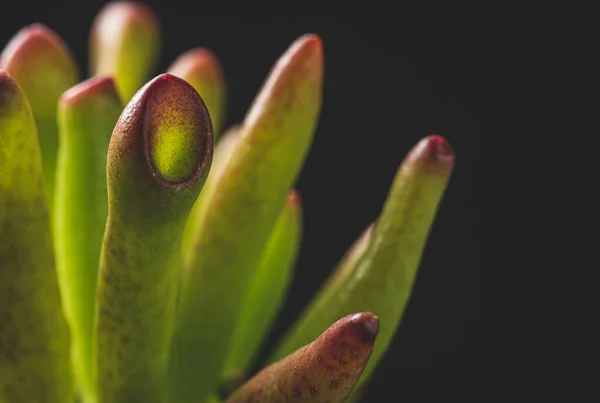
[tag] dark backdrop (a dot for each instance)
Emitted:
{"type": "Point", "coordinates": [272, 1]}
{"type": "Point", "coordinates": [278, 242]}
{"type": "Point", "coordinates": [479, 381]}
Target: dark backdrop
{"type": "Point", "coordinates": [394, 74]}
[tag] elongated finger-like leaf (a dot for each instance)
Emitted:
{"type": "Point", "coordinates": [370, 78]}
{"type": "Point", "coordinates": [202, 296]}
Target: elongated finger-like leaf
{"type": "Point", "coordinates": [201, 68]}
{"type": "Point", "coordinates": [268, 288]}
{"type": "Point", "coordinates": [324, 371]}
{"type": "Point", "coordinates": [34, 337]}
{"type": "Point", "coordinates": [240, 214]}
{"type": "Point", "coordinates": [87, 115]}
{"type": "Point", "coordinates": [382, 279]}
{"type": "Point", "coordinates": [41, 63]}
{"type": "Point", "coordinates": [125, 41]}
{"type": "Point", "coordinates": [158, 159]}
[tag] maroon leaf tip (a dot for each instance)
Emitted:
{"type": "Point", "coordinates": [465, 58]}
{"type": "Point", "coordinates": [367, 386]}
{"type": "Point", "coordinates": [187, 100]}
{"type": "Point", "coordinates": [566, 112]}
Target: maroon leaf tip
{"type": "Point", "coordinates": [433, 153]}
{"type": "Point", "coordinates": [31, 39]}
{"type": "Point", "coordinates": [92, 87]}
{"type": "Point", "coordinates": [366, 326]}
{"type": "Point", "coordinates": [8, 90]}
{"type": "Point", "coordinates": [440, 146]}
{"type": "Point", "coordinates": [295, 197]}
{"type": "Point", "coordinates": [170, 119]}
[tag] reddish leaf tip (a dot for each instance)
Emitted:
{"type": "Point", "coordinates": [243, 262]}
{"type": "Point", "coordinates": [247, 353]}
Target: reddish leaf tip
{"type": "Point", "coordinates": [8, 89]}
{"type": "Point", "coordinates": [440, 146]}
{"type": "Point", "coordinates": [128, 10]}
{"type": "Point", "coordinates": [91, 87]}
{"type": "Point", "coordinates": [171, 120]}
{"type": "Point", "coordinates": [366, 326]}
{"type": "Point", "coordinates": [31, 40]}
{"type": "Point", "coordinates": [433, 152]}
{"type": "Point", "coordinates": [295, 198]}
{"type": "Point", "coordinates": [312, 41]}
{"type": "Point", "coordinates": [198, 64]}
{"type": "Point", "coordinates": [301, 66]}
{"type": "Point", "coordinates": [196, 57]}
{"type": "Point", "coordinates": [308, 46]}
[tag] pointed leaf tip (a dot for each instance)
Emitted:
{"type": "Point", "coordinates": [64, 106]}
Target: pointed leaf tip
{"type": "Point", "coordinates": [89, 89]}
{"type": "Point", "coordinates": [366, 326]}
{"type": "Point", "coordinates": [433, 152]}
{"type": "Point", "coordinates": [201, 68]}
{"type": "Point", "coordinates": [28, 41]}
{"type": "Point", "coordinates": [8, 89]}
{"type": "Point", "coordinates": [119, 15]}
{"type": "Point", "coordinates": [170, 118]}
{"type": "Point", "coordinates": [441, 145]}
{"type": "Point", "coordinates": [42, 64]}
{"type": "Point", "coordinates": [325, 370]}
{"type": "Point", "coordinates": [134, 10]}
{"type": "Point", "coordinates": [295, 198]}
{"type": "Point", "coordinates": [310, 42]}
{"type": "Point", "coordinates": [301, 62]}
{"type": "Point", "coordinates": [125, 41]}
{"type": "Point", "coordinates": [197, 61]}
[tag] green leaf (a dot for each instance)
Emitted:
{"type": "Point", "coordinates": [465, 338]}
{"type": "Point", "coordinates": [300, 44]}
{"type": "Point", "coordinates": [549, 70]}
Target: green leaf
{"type": "Point", "coordinates": [214, 399]}
{"type": "Point", "coordinates": [34, 337]}
{"type": "Point", "coordinates": [222, 155]}
{"type": "Point", "coordinates": [43, 66]}
{"type": "Point", "coordinates": [158, 159]}
{"type": "Point", "coordinates": [239, 216]}
{"type": "Point", "coordinates": [125, 42]}
{"type": "Point", "coordinates": [344, 267]}
{"type": "Point", "coordinates": [87, 115]}
{"type": "Point", "coordinates": [326, 370]}
{"type": "Point", "coordinates": [268, 288]}
{"type": "Point", "coordinates": [201, 68]}
{"type": "Point", "coordinates": [381, 280]}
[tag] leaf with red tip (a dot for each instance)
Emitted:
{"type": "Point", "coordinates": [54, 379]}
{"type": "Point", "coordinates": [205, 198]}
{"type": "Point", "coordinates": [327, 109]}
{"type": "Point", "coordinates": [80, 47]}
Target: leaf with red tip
{"type": "Point", "coordinates": [125, 41]}
{"type": "Point", "coordinates": [381, 280]}
{"type": "Point", "coordinates": [325, 370]}
{"type": "Point", "coordinates": [240, 212]}
{"type": "Point", "coordinates": [34, 337]}
{"type": "Point", "coordinates": [201, 68]}
{"type": "Point", "coordinates": [158, 159]}
{"type": "Point", "coordinates": [87, 116]}
{"type": "Point", "coordinates": [43, 66]}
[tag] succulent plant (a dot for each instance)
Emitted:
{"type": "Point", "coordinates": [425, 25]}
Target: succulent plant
{"type": "Point", "coordinates": [137, 265]}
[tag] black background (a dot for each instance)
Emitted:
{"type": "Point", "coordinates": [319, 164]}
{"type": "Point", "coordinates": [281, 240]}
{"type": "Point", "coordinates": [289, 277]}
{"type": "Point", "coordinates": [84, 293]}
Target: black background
{"type": "Point", "coordinates": [394, 74]}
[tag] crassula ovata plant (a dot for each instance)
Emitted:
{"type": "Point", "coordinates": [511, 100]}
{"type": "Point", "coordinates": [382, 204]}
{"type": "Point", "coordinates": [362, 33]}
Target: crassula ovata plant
{"type": "Point", "coordinates": [137, 265]}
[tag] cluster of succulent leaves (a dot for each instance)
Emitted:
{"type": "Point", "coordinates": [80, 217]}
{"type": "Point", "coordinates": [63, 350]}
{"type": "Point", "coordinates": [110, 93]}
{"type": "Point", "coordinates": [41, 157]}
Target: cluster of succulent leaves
{"type": "Point", "coordinates": [136, 265]}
